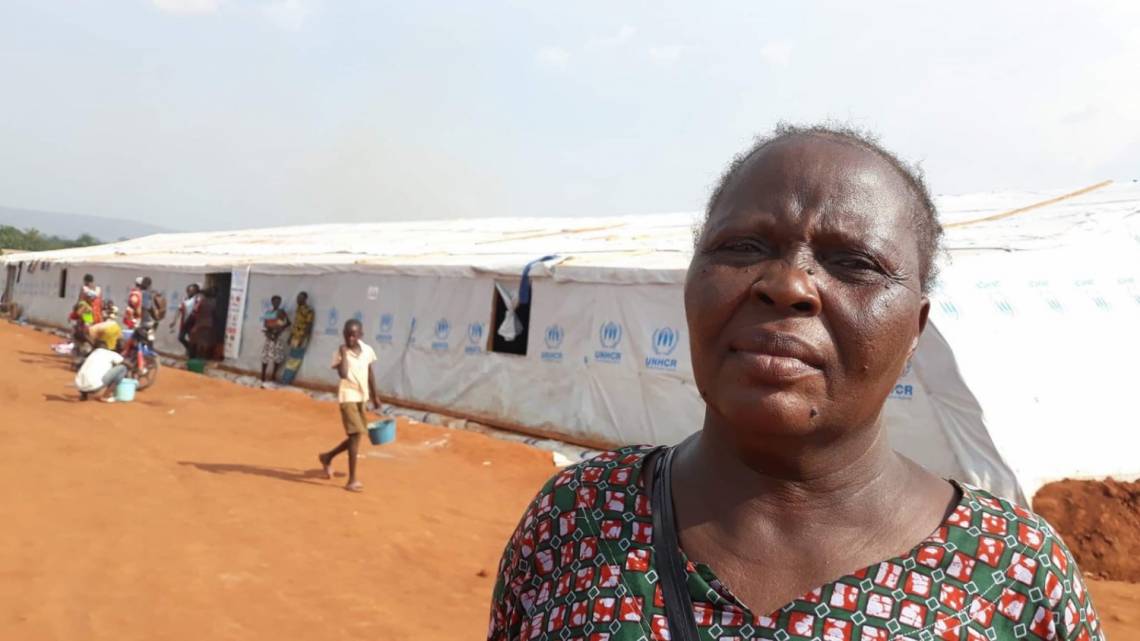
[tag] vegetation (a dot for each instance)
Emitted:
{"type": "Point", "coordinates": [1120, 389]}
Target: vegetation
{"type": "Point", "coordinates": [34, 240]}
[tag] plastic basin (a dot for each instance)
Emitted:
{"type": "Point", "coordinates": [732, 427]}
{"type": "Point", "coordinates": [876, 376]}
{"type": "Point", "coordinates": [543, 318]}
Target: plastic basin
{"type": "Point", "coordinates": [125, 392]}
{"type": "Point", "coordinates": [197, 365]}
{"type": "Point", "coordinates": [382, 432]}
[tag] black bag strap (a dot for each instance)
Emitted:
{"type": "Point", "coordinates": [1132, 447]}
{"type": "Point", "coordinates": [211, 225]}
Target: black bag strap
{"type": "Point", "coordinates": [667, 549]}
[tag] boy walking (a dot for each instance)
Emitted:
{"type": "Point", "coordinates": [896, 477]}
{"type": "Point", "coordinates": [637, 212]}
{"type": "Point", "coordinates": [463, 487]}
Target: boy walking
{"type": "Point", "coordinates": [353, 361]}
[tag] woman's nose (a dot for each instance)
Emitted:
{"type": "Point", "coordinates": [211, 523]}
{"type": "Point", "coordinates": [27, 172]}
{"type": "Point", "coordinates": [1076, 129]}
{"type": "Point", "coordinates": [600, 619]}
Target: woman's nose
{"type": "Point", "coordinates": [788, 289]}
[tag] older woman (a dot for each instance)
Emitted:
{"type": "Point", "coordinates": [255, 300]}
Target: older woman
{"type": "Point", "coordinates": [788, 516]}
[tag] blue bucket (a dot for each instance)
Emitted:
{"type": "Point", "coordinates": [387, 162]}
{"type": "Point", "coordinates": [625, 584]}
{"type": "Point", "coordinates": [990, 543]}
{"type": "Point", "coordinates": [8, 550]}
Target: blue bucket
{"type": "Point", "coordinates": [382, 432]}
{"type": "Point", "coordinates": [125, 392]}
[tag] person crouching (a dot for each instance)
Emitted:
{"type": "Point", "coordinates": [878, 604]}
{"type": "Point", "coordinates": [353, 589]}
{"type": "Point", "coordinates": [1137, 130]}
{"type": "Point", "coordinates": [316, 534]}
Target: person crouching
{"type": "Point", "coordinates": [100, 374]}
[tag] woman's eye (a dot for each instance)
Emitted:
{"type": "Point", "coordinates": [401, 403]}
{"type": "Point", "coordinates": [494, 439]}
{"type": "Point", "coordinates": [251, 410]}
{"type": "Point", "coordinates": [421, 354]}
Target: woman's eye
{"type": "Point", "coordinates": [750, 246]}
{"type": "Point", "coordinates": [856, 262]}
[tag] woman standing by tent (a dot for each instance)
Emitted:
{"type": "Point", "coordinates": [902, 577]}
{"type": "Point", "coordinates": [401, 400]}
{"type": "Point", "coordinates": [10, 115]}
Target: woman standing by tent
{"type": "Point", "coordinates": [202, 335]}
{"type": "Point", "coordinates": [92, 294]}
{"type": "Point", "coordinates": [788, 515]}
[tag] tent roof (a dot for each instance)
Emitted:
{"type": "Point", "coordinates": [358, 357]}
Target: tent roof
{"type": "Point", "coordinates": [644, 248]}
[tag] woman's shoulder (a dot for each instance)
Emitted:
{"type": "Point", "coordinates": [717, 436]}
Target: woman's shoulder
{"type": "Point", "coordinates": [590, 513]}
{"type": "Point", "coordinates": [982, 512]}
{"type": "Point", "coordinates": [1033, 569]}
{"type": "Point", "coordinates": [613, 469]}
{"type": "Point", "coordinates": [581, 486]}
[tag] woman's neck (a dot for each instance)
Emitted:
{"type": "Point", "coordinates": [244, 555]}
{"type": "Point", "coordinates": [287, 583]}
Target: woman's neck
{"type": "Point", "coordinates": [787, 513]}
{"type": "Point", "coordinates": [793, 477]}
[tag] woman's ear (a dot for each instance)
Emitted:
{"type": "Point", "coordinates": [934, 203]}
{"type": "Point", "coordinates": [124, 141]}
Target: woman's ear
{"type": "Point", "coordinates": [923, 316]}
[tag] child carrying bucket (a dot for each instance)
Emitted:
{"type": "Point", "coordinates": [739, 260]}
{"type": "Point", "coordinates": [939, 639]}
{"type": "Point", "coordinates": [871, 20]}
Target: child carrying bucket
{"type": "Point", "coordinates": [353, 361]}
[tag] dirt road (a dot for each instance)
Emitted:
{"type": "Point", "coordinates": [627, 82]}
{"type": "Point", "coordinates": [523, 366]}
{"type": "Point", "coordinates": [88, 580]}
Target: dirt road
{"type": "Point", "coordinates": [196, 513]}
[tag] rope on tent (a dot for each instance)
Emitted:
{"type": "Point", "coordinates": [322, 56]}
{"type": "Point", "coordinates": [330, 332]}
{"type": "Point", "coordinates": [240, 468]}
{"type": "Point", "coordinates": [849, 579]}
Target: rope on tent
{"type": "Point", "coordinates": [545, 234]}
{"type": "Point", "coordinates": [1021, 210]}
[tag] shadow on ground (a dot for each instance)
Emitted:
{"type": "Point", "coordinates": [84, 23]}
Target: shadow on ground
{"type": "Point", "coordinates": [51, 360]}
{"type": "Point", "coordinates": [308, 477]}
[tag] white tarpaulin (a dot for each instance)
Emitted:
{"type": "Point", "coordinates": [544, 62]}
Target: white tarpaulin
{"type": "Point", "coordinates": [1018, 380]}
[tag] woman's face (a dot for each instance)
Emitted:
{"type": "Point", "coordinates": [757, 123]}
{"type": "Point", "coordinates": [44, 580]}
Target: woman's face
{"type": "Point", "coordinates": [803, 297]}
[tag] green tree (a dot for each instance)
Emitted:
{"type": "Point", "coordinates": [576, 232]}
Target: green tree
{"type": "Point", "coordinates": [33, 240]}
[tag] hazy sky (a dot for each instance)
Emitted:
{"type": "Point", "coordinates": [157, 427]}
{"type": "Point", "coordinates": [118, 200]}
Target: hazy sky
{"type": "Point", "coordinates": [224, 113]}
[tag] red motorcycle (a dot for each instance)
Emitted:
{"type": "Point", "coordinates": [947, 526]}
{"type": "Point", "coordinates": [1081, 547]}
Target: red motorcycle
{"type": "Point", "coordinates": [141, 357]}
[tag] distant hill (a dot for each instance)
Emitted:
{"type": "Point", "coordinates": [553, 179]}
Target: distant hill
{"type": "Point", "coordinates": [72, 225]}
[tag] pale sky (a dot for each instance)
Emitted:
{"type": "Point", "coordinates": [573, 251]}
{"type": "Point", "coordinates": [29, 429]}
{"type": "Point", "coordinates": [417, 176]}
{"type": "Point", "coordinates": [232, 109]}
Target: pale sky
{"type": "Point", "coordinates": [198, 114]}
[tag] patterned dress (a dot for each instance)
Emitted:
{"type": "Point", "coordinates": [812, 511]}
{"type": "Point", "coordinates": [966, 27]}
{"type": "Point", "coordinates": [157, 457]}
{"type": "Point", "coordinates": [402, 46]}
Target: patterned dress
{"type": "Point", "coordinates": [580, 566]}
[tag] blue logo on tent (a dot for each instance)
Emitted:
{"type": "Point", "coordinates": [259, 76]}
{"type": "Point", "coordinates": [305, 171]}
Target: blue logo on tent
{"type": "Point", "coordinates": [949, 308]}
{"type": "Point", "coordinates": [903, 392]}
{"type": "Point", "coordinates": [664, 340]}
{"type": "Point", "coordinates": [554, 335]}
{"type": "Point", "coordinates": [609, 335]}
{"type": "Point", "coordinates": [442, 330]}
{"type": "Point", "coordinates": [332, 325]}
{"type": "Point", "coordinates": [475, 338]}
{"type": "Point", "coordinates": [474, 333]}
{"type": "Point", "coordinates": [385, 334]}
{"type": "Point", "coordinates": [553, 339]}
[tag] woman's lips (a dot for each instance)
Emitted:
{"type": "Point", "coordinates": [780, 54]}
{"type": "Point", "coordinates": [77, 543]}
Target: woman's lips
{"type": "Point", "coordinates": [776, 357]}
{"type": "Point", "coordinates": [775, 369]}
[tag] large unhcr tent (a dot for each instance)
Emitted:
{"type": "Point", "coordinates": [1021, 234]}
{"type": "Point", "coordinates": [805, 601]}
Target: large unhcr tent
{"type": "Point", "coordinates": [1024, 376]}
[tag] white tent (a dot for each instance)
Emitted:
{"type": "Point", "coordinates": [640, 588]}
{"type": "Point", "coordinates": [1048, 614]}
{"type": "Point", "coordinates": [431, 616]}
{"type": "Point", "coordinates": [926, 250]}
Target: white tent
{"type": "Point", "coordinates": [1017, 382]}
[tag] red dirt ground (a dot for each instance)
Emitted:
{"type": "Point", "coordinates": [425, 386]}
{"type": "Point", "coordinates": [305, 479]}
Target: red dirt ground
{"type": "Point", "coordinates": [195, 513]}
{"type": "Point", "coordinates": [1100, 521]}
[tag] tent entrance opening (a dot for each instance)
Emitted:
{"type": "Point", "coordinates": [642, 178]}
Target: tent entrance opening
{"type": "Point", "coordinates": [219, 284]}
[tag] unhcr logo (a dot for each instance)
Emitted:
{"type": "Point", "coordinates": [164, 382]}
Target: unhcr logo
{"type": "Point", "coordinates": [442, 330]}
{"type": "Point", "coordinates": [474, 338]}
{"type": "Point", "coordinates": [903, 392]}
{"type": "Point", "coordinates": [609, 335]}
{"type": "Point", "coordinates": [385, 333]}
{"type": "Point", "coordinates": [553, 339]}
{"type": "Point", "coordinates": [663, 340]}
{"type": "Point", "coordinates": [332, 324]}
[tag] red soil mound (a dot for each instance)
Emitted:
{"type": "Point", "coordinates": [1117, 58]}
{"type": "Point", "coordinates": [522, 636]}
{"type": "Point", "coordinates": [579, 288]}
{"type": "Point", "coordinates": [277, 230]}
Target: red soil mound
{"type": "Point", "coordinates": [1100, 521]}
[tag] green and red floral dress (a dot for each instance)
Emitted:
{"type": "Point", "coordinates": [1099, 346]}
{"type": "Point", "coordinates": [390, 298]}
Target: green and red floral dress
{"type": "Point", "coordinates": [580, 567]}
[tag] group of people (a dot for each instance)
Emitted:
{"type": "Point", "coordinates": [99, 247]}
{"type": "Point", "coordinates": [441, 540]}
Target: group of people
{"type": "Point", "coordinates": [279, 340]}
{"type": "Point", "coordinates": [99, 342]}
{"type": "Point", "coordinates": [102, 362]}
{"type": "Point", "coordinates": [197, 322]}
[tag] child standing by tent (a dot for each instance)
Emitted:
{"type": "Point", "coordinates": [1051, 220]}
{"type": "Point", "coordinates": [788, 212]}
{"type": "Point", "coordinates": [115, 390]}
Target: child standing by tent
{"type": "Point", "coordinates": [274, 323]}
{"type": "Point", "coordinates": [353, 361]}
